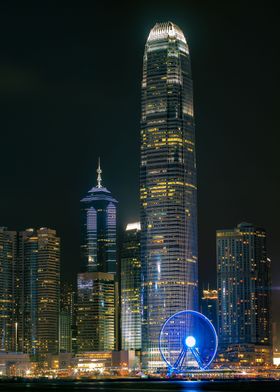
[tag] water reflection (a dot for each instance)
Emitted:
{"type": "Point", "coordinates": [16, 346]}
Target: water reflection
{"type": "Point", "coordinates": [143, 386]}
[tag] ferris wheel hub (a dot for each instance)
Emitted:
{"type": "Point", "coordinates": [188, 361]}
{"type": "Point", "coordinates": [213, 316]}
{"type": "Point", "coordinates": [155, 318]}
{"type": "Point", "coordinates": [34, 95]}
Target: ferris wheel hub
{"type": "Point", "coordinates": [190, 341]}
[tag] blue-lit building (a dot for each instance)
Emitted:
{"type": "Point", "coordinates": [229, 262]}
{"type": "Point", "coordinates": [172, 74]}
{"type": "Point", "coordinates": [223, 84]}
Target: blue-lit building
{"type": "Point", "coordinates": [97, 285]}
{"type": "Point", "coordinates": [168, 190]}
{"type": "Point", "coordinates": [98, 231]}
{"type": "Point", "coordinates": [244, 295]}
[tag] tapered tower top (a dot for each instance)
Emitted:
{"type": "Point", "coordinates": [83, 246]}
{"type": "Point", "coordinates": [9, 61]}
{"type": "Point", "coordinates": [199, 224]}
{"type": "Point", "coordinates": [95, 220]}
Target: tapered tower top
{"type": "Point", "coordinates": [99, 192]}
{"type": "Point", "coordinates": [99, 171]}
{"type": "Point", "coordinates": [166, 30]}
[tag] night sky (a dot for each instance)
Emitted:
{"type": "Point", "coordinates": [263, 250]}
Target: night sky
{"type": "Point", "coordinates": [70, 79]}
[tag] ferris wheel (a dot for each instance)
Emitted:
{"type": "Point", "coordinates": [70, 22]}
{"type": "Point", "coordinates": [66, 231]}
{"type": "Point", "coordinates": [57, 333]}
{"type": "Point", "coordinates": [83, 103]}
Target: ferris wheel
{"type": "Point", "coordinates": [188, 340]}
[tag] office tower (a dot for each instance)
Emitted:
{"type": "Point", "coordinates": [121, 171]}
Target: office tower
{"type": "Point", "coordinates": [98, 240]}
{"type": "Point", "coordinates": [131, 288]}
{"type": "Point", "coordinates": [243, 280]}
{"type": "Point", "coordinates": [66, 317]}
{"type": "Point", "coordinates": [8, 326]}
{"type": "Point", "coordinates": [39, 284]}
{"type": "Point", "coordinates": [97, 295]}
{"type": "Point", "coordinates": [96, 311]}
{"type": "Point", "coordinates": [209, 305]}
{"type": "Point", "coordinates": [167, 185]}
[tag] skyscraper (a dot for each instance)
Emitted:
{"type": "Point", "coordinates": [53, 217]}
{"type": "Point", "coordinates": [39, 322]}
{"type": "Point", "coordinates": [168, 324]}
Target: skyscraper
{"type": "Point", "coordinates": [8, 242]}
{"type": "Point", "coordinates": [97, 293]}
{"type": "Point", "coordinates": [167, 185]}
{"type": "Point", "coordinates": [131, 288]}
{"type": "Point", "coordinates": [39, 285]}
{"type": "Point", "coordinates": [243, 273]}
{"type": "Point", "coordinates": [98, 240]}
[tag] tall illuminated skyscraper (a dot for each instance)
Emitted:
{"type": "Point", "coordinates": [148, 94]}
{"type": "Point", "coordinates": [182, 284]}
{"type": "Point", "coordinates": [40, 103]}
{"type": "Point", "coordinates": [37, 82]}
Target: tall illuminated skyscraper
{"type": "Point", "coordinates": [167, 185]}
{"type": "Point", "coordinates": [8, 246]}
{"type": "Point", "coordinates": [131, 288]}
{"type": "Point", "coordinates": [98, 241]}
{"type": "Point", "coordinates": [244, 294]}
{"type": "Point", "coordinates": [39, 292]}
{"type": "Point", "coordinates": [97, 288]}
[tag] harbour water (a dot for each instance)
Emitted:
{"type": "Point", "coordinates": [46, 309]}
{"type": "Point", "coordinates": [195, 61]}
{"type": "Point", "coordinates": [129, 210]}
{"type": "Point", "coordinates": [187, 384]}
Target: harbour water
{"type": "Point", "coordinates": [141, 386]}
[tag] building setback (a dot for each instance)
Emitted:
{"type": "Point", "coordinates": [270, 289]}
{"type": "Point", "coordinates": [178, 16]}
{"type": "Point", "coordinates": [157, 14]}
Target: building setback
{"type": "Point", "coordinates": [8, 326]}
{"type": "Point", "coordinates": [131, 288]}
{"type": "Point", "coordinates": [39, 292]}
{"type": "Point", "coordinates": [244, 286]}
{"type": "Point", "coordinates": [167, 185]}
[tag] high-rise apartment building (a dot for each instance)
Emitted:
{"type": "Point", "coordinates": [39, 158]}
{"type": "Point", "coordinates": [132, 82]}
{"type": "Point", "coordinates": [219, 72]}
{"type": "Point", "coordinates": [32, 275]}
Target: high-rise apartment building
{"type": "Point", "coordinates": [168, 187]}
{"type": "Point", "coordinates": [98, 231]}
{"type": "Point", "coordinates": [243, 274]}
{"type": "Point", "coordinates": [131, 288]}
{"type": "Point", "coordinates": [96, 311]}
{"type": "Point", "coordinates": [209, 305]}
{"type": "Point", "coordinates": [8, 326]}
{"type": "Point", "coordinates": [39, 292]}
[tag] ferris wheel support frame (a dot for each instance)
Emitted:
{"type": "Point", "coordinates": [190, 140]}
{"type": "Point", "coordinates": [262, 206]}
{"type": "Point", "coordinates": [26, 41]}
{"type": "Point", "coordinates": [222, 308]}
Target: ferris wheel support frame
{"type": "Point", "coordinates": [178, 365]}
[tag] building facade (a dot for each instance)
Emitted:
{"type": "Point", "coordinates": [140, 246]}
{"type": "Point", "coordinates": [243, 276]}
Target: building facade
{"type": "Point", "coordinates": [8, 326]}
{"type": "Point", "coordinates": [65, 332]}
{"type": "Point", "coordinates": [131, 288]}
{"type": "Point", "coordinates": [97, 295]}
{"type": "Point", "coordinates": [209, 305]}
{"type": "Point", "coordinates": [244, 292]}
{"type": "Point", "coordinates": [98, 230]}
{"type": "Point", "coordinates": [39, 292]}
{"type": "Point", "coordinates": [66, 317]}
{"type": "Point", "coordinates": [168, 187]}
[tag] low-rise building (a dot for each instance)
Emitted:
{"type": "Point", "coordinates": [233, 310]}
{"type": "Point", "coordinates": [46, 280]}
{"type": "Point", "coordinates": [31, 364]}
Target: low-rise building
{"type": "Point", "coordinates": [14, 364]}
{"type": "Point", "coordinates": [125, 360]}
{"type": "Point", "coordinates": [93, 362]}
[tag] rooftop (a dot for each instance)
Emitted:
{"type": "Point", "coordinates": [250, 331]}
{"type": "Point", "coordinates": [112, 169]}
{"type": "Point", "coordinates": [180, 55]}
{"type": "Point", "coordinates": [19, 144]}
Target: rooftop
{"type": "Point", "coordinates": [166, 30]}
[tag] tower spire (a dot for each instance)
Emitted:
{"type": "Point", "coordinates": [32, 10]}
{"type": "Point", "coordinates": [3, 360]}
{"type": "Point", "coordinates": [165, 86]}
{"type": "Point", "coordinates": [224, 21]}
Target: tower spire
{"type": "Point", "coordinates": [99, 171]}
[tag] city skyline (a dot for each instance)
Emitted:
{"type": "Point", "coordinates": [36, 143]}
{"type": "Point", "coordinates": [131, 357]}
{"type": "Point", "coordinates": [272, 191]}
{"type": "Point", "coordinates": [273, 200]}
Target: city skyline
{"type": "Point", "coordinates": [179, 128]}
{"type": "Point", "coordinates": [252, 150]}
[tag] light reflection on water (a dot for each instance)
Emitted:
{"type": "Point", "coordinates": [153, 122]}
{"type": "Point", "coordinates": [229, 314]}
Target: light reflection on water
{"type": "Point", "coordinates": [142, 386]}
